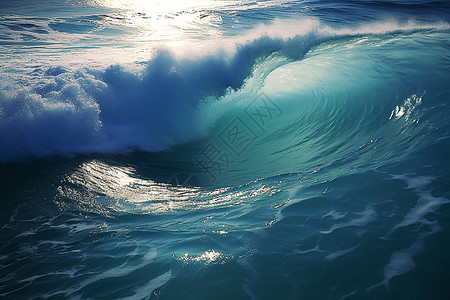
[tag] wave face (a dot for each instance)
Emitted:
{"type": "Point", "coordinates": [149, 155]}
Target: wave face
{"type": "Point", "coordinates": [278, 149]}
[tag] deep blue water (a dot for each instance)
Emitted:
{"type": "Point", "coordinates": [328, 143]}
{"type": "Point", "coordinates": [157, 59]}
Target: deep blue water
{"type": "Point", "coordinates": [224, 149]}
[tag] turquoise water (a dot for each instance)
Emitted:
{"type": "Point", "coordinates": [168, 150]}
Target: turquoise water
{"type": "Point", "coordinates": [224, 150]}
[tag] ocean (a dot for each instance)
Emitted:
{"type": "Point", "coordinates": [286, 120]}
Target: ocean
{"type": "Point", "coordinates": [231, 149]}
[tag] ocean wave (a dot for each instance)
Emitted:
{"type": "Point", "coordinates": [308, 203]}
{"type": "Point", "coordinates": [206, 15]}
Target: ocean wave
{"type": "Point", "coordinates": [175, 99]}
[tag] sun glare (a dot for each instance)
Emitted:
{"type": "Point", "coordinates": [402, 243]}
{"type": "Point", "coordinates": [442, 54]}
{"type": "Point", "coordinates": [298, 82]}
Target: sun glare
{"type": "Point", "coordinates": [173, 22]}
{"type": "Point", "coordinates": [159, 7]}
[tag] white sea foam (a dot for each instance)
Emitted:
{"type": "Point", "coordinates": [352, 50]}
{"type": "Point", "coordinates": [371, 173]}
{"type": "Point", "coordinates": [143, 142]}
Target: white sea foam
{"type": "Point", "coordinates": [335, 215]}
{"type": "Point", "coordinates": [349, 295]}
{"type": "Point", "coordinates": [312, 250]}
{"type": "Point", "coordinates": [339, 253]}
{"type": "Point", "coordinates": [145, 291]}
{"type": "Point", "coordinates": [426, 202]}
{"type": "Point", "coordinates": [366, 216]}
{"type": "Point", "coordinates": [402, 261]}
